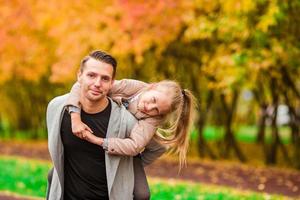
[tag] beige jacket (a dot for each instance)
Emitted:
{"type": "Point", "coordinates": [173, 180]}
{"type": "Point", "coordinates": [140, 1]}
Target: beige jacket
{"type": "Point", "coordinates": [144, 129]}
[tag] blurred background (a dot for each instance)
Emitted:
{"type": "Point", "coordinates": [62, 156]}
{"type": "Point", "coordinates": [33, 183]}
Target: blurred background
{"type": "Point", "coordinates": [239, 57]}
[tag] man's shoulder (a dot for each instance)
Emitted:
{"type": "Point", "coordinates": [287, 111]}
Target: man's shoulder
{"type": "Point", "coordinates": [55, 106]}
{"type": "Point", "coordinates": [59, 100]}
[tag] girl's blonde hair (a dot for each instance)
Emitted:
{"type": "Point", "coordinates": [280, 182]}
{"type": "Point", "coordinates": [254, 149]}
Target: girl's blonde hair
{"type": "Point", "coordinates": [176, 131]}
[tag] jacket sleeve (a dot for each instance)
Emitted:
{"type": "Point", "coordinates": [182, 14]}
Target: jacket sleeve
{"type": "Point", "coordinates": [126, 88]}
{"type": "Point", "coordinates": [74, 97]}
{"type": "Point", "coordinates": [121, 89]}
{"type": "Point", "coordinates": [152, 152]}
{"type": "Point", "coordinates": [140, 136]}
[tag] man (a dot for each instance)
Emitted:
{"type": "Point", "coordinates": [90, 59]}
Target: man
{"type": "Point", "coordinates": [83, 170]}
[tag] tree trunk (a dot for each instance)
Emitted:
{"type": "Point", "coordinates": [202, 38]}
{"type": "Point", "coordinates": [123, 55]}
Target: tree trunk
{"type": "Point", "coordinates": [203, 147]}
{"type": "Point", "coordinates": [263, 115]}
{"type": "Point", "coordinates": [297, 151]}
{"type": "Point", "coordinates": [230, 141]}
{"type": "Point", "coordinates": [271, 159]}
{"type": "Point", "coordinates": [275, 140]}
{"type": "Point", "coordinates": [295, 130]}
{"type": "Point", "coordinates": [277, 143]}
{"type": "Point", "coordinates": [289, 82]}
{"type": "Point", "coordinates": [296, 137]}
{"type": "Point", "coordinates": [259, 96]}
{"type": "Point", "coordinates": [262, 123]}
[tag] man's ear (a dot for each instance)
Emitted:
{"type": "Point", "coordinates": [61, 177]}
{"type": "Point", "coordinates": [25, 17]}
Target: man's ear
{"type": "Point", "coordinates": [112, 83]}
{"type": "Point", "coordinates": [79, 76]}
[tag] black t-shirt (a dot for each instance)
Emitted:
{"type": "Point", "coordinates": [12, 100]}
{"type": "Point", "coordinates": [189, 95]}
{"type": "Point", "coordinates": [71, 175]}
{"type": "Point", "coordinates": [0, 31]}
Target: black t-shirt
{"type": "Point", "coordinates": [84, 162]}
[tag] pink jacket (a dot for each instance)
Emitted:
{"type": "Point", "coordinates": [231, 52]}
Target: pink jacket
{"type": "Point", "coordinates": [141, 133]}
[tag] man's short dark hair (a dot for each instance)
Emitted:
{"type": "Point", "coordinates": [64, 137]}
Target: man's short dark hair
{"type": "Point", "coordinates": [100, 56]}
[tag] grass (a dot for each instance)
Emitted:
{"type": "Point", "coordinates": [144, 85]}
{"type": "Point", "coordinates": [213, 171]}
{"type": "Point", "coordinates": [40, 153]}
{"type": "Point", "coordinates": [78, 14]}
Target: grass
{"type": "Point", "coordinates": [28, 177]}
{"type": "Point", "coordinates": [171, 189]}
{"type": "Point", "coordinates": [23, 176]}
{"type": "Point", "coordinates": [242, 133]}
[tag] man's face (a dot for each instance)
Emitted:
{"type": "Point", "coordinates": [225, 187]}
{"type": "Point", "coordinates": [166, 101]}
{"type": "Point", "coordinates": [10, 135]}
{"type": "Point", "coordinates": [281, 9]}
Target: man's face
{"type": "Point", "coordinates": [96, 80]}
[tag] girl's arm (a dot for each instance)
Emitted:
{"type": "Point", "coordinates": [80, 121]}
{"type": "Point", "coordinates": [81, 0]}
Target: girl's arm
{"type": "Point", "coordinates": [126, 88]}
{"type": "Point", "coordinates": [140, 136]}
{"type": "Point", "coordinates": [74, 97]}
{"type": "Point", "coordinates": [73, 104]}
{"type": "Point", "coordinates": [78, 127]}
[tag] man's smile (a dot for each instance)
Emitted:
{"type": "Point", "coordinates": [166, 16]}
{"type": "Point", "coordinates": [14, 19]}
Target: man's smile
{"type": "Point", "coordinates": [96, 92]}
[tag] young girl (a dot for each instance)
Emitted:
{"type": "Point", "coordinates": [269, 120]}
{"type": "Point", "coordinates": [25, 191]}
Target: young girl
{"type": "Point", "coordinates": [164, 112]}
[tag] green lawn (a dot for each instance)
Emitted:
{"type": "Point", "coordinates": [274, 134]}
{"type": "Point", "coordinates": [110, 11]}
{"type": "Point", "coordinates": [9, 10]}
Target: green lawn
{"type": "Point", "coordinates": [242, 133]}
{"type": "Point", "coordinates": [23, 176]}
{"type": "Point", "coordinates": [166, 190]}
{"type": "Point", "coordinates": [28, 177]}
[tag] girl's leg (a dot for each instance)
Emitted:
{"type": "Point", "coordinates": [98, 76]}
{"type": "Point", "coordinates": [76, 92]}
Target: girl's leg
{"type": "Point", "coordinates": [141, 188]}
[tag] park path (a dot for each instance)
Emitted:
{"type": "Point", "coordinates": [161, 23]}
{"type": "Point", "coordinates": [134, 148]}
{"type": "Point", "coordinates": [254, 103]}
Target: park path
{"type": "Point", "coordinates": [11, 196]}
{"type": "Point", "coordinates": [260, 179]}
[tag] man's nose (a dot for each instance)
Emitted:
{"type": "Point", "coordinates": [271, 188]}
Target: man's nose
{"type": "Point", "coordinates": [98, 82]}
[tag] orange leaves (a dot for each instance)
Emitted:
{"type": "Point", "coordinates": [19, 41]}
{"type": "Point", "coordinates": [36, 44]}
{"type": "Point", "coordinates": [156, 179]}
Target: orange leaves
{"type": "Point", "coordinates": [20, 48]}
{"type": "Point", "coordinates": [142, 25]}
{"type": "Point", "coordinates": [36, 35]}
{"type": "Point", "coordinates": [39, 37]}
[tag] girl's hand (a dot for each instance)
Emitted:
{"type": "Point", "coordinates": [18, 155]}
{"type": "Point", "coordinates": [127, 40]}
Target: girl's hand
{"type": "Point", "coordinates": [78, 127]}
{"type": "Point", "coordinates": [90, 137]}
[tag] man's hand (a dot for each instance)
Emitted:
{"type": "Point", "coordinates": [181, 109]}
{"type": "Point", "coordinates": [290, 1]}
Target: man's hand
{"type": "Point", "coordinates": [78, 127]}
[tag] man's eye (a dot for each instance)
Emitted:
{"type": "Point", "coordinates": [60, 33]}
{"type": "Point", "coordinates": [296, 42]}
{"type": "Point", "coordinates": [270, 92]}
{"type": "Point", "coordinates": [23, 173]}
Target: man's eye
{"type": "Point", "coordinates": [153, 99]}
{"type": "Point", "coordinates": [91, 75]}
{"type": "Point", "coordinates": [105, 78]}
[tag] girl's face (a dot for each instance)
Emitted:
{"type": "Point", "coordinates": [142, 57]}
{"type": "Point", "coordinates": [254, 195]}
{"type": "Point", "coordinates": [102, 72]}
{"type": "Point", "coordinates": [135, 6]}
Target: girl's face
{"type": "Point", "coordinates": [154, 102]}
